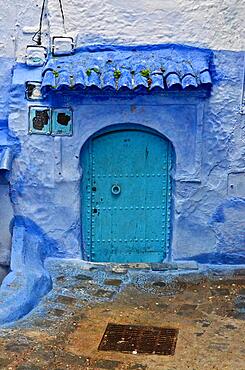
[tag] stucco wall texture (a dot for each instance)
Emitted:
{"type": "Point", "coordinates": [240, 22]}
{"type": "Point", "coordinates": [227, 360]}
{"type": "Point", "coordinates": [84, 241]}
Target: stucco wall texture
{"type": "Point", "coordinates": [213, 24]}
{"type": "Point", "coordinates": [208, 213]}
{"type": "Point", "coordinates": [18, 22]}
{"type": "Point", "coordinates": [216, 25]}
{"type": "Point", "coordinates": [208, 221]}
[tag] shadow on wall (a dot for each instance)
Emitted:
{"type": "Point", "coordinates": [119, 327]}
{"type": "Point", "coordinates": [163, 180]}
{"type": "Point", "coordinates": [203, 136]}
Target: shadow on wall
{"type": "Point", "coordinates": [6, 214]}
{"type": "Point", "coordinates": [227, 222]}
{"type": "Point", "coordinates": [9, 148]}
{"type": "Point", "coordinates": [28, 280]}
{"type": "Point", "coordinates": [4, 270]}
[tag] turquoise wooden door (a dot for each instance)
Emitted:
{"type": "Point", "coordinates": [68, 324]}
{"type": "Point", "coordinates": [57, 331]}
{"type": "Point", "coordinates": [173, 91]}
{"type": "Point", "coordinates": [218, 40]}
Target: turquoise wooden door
{"type": "Point", "coordinates": [126, 197]}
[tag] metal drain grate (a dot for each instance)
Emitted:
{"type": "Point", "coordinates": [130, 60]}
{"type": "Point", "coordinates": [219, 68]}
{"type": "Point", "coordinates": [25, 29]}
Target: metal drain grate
{"type": "Point", "coordinates": [139, 339]}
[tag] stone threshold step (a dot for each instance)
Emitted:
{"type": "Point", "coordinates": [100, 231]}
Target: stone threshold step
{"type": "Point", "coordinates": [165, 266]}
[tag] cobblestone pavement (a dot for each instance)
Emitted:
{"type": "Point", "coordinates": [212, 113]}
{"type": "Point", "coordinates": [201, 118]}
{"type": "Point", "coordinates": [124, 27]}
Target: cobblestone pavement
{"type": "Point", "coordinates": [64, 331]}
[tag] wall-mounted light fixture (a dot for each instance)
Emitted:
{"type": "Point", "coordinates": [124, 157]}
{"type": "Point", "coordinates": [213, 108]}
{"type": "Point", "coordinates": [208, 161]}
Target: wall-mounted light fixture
{"type": "Point", "coordinates": [35, 55]}
{"type": "Point", "coordinates": [33, 90]}
{"type": "Point", "coordinates": [62, 45]}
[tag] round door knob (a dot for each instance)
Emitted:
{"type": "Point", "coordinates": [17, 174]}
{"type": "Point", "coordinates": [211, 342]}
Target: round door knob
{"type": "Point", "coordinates": [115, 189]}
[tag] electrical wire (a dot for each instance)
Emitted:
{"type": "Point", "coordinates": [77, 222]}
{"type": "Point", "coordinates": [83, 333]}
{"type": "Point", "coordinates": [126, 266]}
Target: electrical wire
{"type": "Point", "coordinates": [37, 37]}
{"type": "Point", "coordinates": [62, 14]}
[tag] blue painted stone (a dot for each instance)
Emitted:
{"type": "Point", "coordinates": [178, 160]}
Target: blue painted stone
{"type": "Point", "coordinates": [28, 280]}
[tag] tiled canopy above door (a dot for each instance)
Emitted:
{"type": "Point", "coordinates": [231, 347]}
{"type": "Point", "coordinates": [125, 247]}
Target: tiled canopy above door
{"type": "Point", "coordinates": [129, 68]}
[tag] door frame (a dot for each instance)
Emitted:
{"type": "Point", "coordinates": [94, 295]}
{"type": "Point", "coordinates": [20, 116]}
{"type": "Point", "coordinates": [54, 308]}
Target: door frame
{"type": "Point", "coordinates": [86, 155]}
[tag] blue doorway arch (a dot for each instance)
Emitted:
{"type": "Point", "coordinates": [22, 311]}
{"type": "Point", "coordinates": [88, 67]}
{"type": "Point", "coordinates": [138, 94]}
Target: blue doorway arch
{"type": "Point", "coordinates": [126, 195]}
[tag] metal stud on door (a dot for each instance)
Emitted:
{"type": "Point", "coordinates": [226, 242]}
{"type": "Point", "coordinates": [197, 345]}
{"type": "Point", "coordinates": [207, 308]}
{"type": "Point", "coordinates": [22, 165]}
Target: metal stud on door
{"type": "Point", "coordinates": [128, 188]}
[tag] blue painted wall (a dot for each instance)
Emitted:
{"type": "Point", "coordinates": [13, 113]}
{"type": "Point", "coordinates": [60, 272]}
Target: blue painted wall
{"type": "Point", "coordinates": [6, 212]}
{"type": "Point", "coordinates": [6, 67]}
{"type": "Point", "coordinates": [206, 133]}
{"type": "Point", "coordinates": [6, 139]}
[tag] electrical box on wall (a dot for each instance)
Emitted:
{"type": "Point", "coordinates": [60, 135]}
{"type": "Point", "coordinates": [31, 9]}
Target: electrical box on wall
{"type": "Point", "coordinates": [62, 121]}
{"type": "Point", "coordinates": [50, 121]}
{"type": "Point", "coordinates": [39, 120]}
{"type": "Point", "coordinates": [33, 90]}
{"type": "Point", "coordinates": [62, 45]}
{"type": "Point", "coordinates": [35, 55]}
